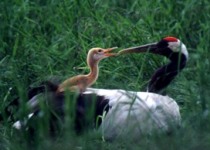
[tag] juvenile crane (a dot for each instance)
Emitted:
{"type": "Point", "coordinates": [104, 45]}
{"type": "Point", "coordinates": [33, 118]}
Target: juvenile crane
{"type": "Point", "coordinates": [81, 82]}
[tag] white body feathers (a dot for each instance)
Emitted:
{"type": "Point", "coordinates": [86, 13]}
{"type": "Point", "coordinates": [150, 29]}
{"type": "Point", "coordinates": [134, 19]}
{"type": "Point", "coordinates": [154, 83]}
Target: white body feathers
{"type": "Point", "coordinates": [132, 114]}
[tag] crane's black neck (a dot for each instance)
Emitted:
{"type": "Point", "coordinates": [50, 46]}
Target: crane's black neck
{"type": "Point", "coordinates": [164, 75]}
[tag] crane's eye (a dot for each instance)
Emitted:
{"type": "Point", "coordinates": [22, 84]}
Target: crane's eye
{"type": "Point", "coordinates": [100, 50]}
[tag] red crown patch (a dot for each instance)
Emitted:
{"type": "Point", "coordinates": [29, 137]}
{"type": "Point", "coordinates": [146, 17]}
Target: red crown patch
{"type": "Point", "coordinates": [171, 39]}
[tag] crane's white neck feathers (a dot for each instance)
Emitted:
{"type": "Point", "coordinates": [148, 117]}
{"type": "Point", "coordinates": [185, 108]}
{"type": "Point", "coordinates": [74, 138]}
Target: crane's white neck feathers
{"type": "Point", "coordinates": [177, 47]}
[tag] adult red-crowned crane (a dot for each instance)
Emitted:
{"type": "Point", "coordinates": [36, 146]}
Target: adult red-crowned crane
{"type": "Point", "coordinates": [131, 114]}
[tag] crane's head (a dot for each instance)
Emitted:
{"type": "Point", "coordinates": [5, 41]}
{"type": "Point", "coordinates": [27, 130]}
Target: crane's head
{"type": "Point", "coordinates": [166, 47]}
{"type": "Point", "coordinates": [97, 54]}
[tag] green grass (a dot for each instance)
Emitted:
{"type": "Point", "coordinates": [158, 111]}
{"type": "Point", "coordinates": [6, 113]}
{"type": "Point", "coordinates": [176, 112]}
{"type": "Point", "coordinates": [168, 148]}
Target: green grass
{"type": "Point", "coordinates": [39, 39]}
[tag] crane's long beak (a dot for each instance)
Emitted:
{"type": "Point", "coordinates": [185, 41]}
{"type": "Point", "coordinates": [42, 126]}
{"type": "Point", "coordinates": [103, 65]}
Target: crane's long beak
{"type": "Point", "coordinates": [150, 48]}
{"type": "Point", "coordinates": [108, 50]}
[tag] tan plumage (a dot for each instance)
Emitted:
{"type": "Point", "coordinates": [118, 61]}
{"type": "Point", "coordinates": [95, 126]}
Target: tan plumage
{"type": "Point", "coordinates": [81, 82]}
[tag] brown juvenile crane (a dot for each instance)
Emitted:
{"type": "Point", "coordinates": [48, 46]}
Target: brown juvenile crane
{"type": "Point", "coordinates": [81, 82]}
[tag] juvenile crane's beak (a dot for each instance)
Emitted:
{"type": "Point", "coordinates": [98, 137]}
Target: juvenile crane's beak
{"type": "Point", "coordinates": [151, 48]}
{"type": "Point", "coordinates": [108, 50]}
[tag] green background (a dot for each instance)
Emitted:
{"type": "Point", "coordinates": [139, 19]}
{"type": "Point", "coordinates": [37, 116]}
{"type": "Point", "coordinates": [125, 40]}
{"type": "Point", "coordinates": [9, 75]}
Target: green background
{"type": "Point", "coordinates": [40, 38]}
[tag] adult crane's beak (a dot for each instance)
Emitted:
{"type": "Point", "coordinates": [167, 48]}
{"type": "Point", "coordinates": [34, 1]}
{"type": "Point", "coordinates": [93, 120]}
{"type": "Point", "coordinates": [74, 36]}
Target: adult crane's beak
{"type": "Point", "coordinates": [151, 48]}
